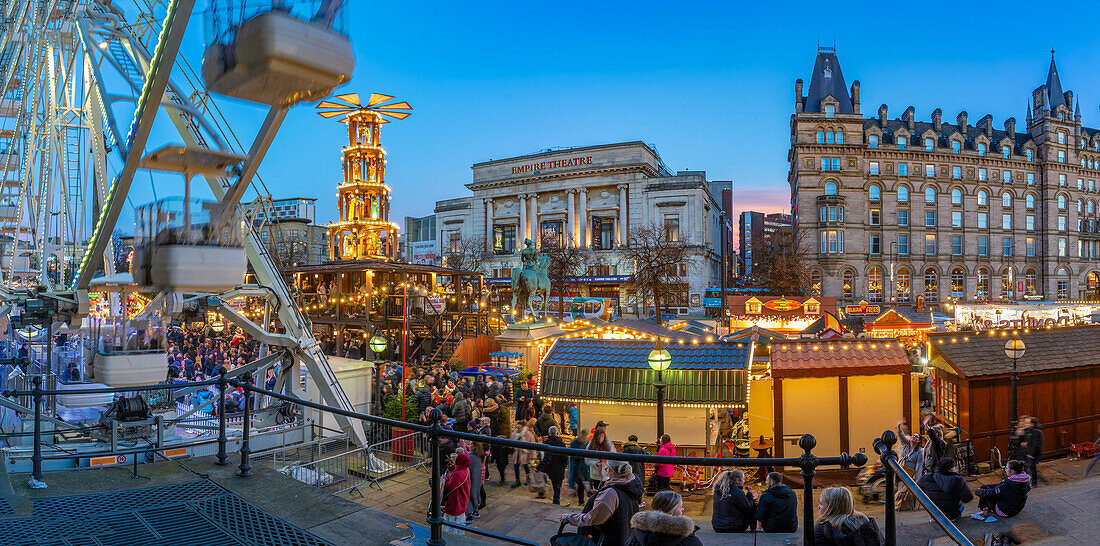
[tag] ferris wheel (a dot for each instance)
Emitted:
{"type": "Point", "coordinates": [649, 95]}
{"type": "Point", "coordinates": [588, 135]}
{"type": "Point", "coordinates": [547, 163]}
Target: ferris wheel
{"type": "Point", "coordinates": [95, 93]}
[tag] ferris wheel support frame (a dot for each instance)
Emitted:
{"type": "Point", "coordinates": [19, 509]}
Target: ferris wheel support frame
{"type": "Point", "coordinates": [156, 81]}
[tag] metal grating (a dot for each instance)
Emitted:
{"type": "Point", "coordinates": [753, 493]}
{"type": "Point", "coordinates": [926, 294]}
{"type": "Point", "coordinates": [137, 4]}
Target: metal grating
{"type": "Point", "coordinates": [119, 501]}
{"type": "Point", "coordinates": [253, 525]}
{"type": "Point", "coordinates": [187, 514]}
{"type": "Point", "coordinates": [5, 508]}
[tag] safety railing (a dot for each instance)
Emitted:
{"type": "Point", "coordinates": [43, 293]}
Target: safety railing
{"type": "Point", "coordinates": [884, 446]}
{"type": "Point", "coordinates": [807, 463]}
{"type": "Point", "coordinates": [396, 455]}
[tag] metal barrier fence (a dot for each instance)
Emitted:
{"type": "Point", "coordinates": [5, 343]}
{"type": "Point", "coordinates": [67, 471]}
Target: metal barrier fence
{"type": "Point", "coordinates": [340, 466]}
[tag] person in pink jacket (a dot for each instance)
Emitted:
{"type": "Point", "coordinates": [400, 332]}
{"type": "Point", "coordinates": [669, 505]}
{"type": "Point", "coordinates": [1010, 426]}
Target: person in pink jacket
{"type": "Point", "coordinates": [662, 473]}
{"type": "Point", "coordinates": [456, 492]}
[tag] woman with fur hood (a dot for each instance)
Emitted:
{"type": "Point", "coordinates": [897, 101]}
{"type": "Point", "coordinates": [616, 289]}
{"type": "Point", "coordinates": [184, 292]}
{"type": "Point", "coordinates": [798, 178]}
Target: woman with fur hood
{"type": "Point", "coordinates": [664, 525]}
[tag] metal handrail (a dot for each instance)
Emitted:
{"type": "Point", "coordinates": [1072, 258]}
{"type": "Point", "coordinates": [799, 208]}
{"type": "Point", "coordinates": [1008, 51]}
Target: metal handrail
{"type": "Point", "coordinates": [807, 462]}
{"type": "Point", "coordinates": [884, 447]}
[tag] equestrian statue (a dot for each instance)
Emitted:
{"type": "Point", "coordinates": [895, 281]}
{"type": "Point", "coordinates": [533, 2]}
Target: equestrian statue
{"type": "Point", "coordinates": [530, 280]}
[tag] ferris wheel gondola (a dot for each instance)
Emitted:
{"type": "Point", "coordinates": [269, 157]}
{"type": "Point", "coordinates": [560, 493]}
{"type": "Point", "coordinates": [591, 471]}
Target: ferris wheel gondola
{"type": "Point", "coordinates": [276, 53]}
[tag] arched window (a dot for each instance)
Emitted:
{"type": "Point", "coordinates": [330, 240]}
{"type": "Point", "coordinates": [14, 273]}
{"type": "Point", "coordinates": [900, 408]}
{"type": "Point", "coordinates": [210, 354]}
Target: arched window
{"type": "Point", "coordinates": [821, 137]}
{"type": "Point", "coordinates": [931, 285]}
{"type": "Point", "coordinates": [958, 283]}
{"type": "Point", "coordinates": [874, 193]}
{"type": "Point", "coordinates": [1061, 137]}
{"type": "Point", "coordinates": [872, 141]}
{"type": "Point", "coordinates": [903, 194]}
{"type": "Point", "coordinates": [1029, 201]}
{"type": "Point", "coordinates": [830, 110]}
{"type": "Point", "coordinates": [956, 197]}
{"type": "Point", "coordinates": [830, 188]}
{"type": "Point", "coordinates": [1062, 283]}
{"type": "Point", "coordinates": [983, 284]}
{"type": "Point", "coordinates": [848, 283]}
{"type": "Point", "coordinates": [840, 137]}
{"type": "Point", "coordinates": [956, 146]}
{"type": "Point", "coordinates": [1080, 206]}
{"type": "Point", "coordinates": [1029, 282]}
{"type": "Point", "coordinates": [930, 195]}
{"type": "Point", "coordinates": [981, 149]}
{"type": "Point", "coordinates": [1006, 199]}
{"type": "Point", "coordinates": [874, 284]}
{"type": "Point", "coordinates": [815, 282]}
{"type": "Point", "coordinates": [1061, 202]}
{"type": "Point", "coordinates": [1006, 283]}
{"type": "Point", "coordinates": [903, 284]}
{"type": "Point", "coordinates": [829, 137]}
{"type": "Point", "coordinates": [1090, 207]}
{"type": "Point", "coordinates": [983, 198]}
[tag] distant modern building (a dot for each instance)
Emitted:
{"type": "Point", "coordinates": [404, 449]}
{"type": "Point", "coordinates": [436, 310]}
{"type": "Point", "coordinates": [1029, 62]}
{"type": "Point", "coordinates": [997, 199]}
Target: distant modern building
{"type": "Point", "coordinates": [420, 244]}
{"type": "Point", "coordinates": [756, 230]}
{"type": "Point", "coordinates": [287, 227]}
{"type": "Point", "coordinates": [295, 207]}
{"type": "Point", "coordinates": [590, 197]}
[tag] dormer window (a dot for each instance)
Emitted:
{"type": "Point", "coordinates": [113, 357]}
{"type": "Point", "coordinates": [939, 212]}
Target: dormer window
{"type": "Point", "coordinates": [956, 146]}
{"type": "Point", "coordinates": [872, 141]}
{"type": "Point", "coordinates": [1005, 151]}
{"type": "Point", "coordinates": [902, 141]}
{"type": "Point", "coordinates": [812, 307]}
{"type": "Point", "coordinates": [1030, 154]}
{"type": "Point", "coordinates": [929, 144]}
{"type": "Point", "coordinates": [981, 149]}
{"type": "Point", "coordinates": [753, 307]}
{"type": "Point", "coordinates": [830, 111]}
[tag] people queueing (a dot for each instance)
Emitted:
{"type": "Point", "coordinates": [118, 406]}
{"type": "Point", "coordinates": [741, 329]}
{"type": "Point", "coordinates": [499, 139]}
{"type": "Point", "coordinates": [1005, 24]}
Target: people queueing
{"type": "Point", "coordinates": [734, 508]}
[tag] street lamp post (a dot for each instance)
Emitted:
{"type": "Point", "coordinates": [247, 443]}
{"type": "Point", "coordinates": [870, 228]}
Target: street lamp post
{"type": "Point", "coordinates": [1014, 349]}
{"type": "Point", "coordinates": [377, 345]}
{"type": "Point", "coordinates": [660, 359]}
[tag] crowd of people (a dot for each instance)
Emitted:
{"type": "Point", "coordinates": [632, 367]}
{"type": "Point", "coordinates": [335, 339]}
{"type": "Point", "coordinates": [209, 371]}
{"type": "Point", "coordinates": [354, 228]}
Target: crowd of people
{"type": "Point", "coordinates": [200, 356]}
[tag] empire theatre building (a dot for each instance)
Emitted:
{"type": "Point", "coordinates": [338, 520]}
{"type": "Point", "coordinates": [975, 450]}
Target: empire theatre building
{"type": "Point", "coordinates": [589, 197]}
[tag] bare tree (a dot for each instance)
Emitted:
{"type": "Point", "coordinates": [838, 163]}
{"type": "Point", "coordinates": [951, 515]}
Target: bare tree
{"type": "Point", "coordinates": [783, 266]}
{"type": "Point", "coordinates": [660, 263]}
{"type": "Point", "coordinates": [467, 254]}
{"type": "Point", "coordinates": [121, 250]}
{"type": "Point", "coordinates": [566, 262]}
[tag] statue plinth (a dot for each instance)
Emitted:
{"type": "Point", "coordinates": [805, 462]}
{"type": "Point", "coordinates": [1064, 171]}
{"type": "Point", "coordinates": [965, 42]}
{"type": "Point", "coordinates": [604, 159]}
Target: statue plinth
{"type": "Point", "coordinates": [522, 338]}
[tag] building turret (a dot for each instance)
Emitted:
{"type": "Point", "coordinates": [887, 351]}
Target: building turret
{"type": "Point", "coordinates": [827, 81]}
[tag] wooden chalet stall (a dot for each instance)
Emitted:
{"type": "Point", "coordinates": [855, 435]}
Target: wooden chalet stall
{"type": "Point", "coordinates": [1059, 384]}
{"type": "Point", "coordinates": [906, 323]}
{"type": "Point", "coordinates": [786, 315]}
{"type": "Point", "coordinates": [610, 380]}
{"type": "Point", "coordinates": [845, 392]}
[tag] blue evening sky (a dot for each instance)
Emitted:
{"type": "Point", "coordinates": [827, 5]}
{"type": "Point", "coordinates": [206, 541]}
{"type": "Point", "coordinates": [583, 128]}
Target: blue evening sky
{"type": "Point", "coordinates": [709, 84]}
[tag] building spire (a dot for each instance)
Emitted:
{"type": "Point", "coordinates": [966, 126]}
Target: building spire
{"type": "Point", "coordinates": [1077, 107]}
{"type": "Point", "coordinates": [1029, 109]}
{"type": "Point", "coordinates": [1054, 85]}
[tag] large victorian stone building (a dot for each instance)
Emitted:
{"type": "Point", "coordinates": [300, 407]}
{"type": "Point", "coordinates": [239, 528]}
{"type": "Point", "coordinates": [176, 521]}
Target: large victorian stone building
{"type": "Point", "coordinates": [893, 209]}
{"type": "Point", "coordinates": [590, 197]}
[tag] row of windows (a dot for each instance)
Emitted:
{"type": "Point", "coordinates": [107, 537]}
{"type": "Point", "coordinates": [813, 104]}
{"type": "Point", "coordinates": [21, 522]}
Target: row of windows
{"type": "Point", "coordinates": [904, 288]}
{"type": "Point", "coordinates": [835, 214]}
{"type": "Point", "coordinates": [831, 241]}
{"type": "Point", "coordinates": [956, 172]}
{"type": "Point", "coordinates": [874, 193]}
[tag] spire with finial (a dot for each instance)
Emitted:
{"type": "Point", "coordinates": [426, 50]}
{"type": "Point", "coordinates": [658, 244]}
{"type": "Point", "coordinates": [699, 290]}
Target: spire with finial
{"type": "Point", "coordinates": [1077, 107]}
{"type": "Point", "coordinates": [1054, 86]}
{"type": "Point", "coordinates": [1029, 109]}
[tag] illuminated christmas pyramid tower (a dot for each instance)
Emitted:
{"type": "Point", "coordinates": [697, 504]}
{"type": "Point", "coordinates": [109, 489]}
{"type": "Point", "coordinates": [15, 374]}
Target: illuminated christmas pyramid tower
{"type": "Point", "coordinates": [364, 231]}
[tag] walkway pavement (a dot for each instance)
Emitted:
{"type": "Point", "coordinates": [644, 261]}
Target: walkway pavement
{"type": "Point", "coordinates": [1062, 511]}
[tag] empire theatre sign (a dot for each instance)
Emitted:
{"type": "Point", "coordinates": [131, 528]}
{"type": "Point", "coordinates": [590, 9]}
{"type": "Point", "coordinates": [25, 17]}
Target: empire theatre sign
{"type": "Point", "coordinates": [538, 167]}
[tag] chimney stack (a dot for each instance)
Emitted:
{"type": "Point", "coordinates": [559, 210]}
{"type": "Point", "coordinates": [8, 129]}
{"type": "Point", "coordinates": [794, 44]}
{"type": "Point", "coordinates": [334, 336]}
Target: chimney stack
{"type": "Point", "coordinates": [937, 119]}
{"type": "Point", "coordinates": [908, 117]}
{"type": "Point", "coordinates": [798, 98]}
{"type": "Point", "coordinates": [855, 96]}
{"type": "Point", "coordinates": [986, 125]}
{"type": "Point", "coordinates": [961, 121]}
{"type": "Point", "coordinates": [1010, 128]}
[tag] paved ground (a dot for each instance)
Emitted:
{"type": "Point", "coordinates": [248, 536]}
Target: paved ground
{"type": "Point", "coordinates": [1064, 510]}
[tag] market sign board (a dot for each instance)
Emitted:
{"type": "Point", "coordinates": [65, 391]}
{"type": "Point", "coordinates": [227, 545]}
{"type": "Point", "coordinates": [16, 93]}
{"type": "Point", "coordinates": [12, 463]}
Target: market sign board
{"type": "Point", "coordinates": [862, 309]}
{"type": "Point", "coordinates": [1025, 315]}
{"type": "Point", "coordinates": [782, 304]}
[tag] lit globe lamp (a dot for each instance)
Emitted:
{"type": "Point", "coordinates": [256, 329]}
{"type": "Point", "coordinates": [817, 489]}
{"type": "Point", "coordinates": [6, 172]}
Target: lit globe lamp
{"type": "Point", "coordinates": [660, 360]}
